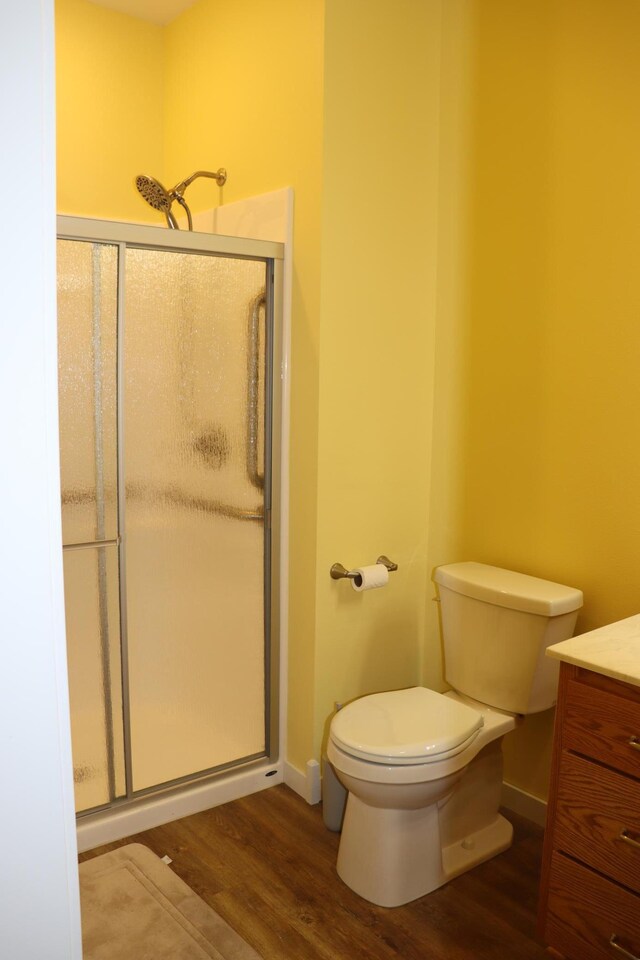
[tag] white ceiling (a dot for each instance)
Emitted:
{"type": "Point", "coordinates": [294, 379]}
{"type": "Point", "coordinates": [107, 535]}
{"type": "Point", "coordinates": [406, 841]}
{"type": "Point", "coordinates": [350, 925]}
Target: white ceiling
{"type": "Point", "coordinates": [155, 11]}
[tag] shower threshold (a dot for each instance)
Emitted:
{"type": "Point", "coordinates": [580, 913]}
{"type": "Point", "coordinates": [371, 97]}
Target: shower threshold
{"type": "Point", "coordinates": [129, 817]}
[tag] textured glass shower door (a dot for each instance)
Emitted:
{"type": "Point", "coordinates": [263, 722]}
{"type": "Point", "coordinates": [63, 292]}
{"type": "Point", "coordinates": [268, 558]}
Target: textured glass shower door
{"type": "Point", "coordinates": [194, 518]}
{"type": "Point", "coordinates": [87, 365]}
{"type": "Point", "coordinates": [166, 451]}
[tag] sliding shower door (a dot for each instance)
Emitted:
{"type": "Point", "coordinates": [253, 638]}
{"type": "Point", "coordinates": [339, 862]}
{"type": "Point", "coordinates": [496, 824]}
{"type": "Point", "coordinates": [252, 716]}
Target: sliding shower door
{"type": "Point", "coordinates": [87, 352]}
{"type": "Point", "coordinates": [194, 520]}
{"type": "Point", "coordinates": [167, 474]}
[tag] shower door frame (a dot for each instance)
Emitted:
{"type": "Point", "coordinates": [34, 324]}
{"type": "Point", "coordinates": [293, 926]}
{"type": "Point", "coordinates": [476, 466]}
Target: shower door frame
{"type": "Point", "coordinates": [245, 775]}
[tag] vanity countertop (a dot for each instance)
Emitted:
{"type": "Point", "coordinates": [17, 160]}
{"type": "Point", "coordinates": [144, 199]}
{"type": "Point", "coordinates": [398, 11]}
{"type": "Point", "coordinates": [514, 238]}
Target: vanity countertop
{"type": "Point", "coordinates": [613, 650]}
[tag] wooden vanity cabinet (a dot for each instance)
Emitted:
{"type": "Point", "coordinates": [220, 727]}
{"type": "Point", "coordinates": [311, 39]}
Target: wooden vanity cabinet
{"type": "Point", "coordinates": [590, 887]}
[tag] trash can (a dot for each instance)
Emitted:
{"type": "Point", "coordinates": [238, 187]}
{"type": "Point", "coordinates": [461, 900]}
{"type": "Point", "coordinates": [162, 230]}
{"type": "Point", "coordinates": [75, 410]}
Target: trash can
{"type": "Point", "coordinates": [334, 799]}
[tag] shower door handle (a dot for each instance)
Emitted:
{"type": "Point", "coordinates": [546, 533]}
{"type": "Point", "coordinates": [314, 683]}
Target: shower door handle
{"type": "Point", "coordinates": [253, 393]}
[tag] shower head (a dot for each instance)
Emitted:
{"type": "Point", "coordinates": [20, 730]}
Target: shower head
{"type": "Point", "coordinates": [157, 197]}
{"type": "Point", "coordinates": [154, 193]}
{"type": "Point", "coordinates": [161, 199]}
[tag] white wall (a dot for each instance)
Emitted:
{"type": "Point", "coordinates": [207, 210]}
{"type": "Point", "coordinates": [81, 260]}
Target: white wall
{"type": "Point", "coordinates": [39, 910]}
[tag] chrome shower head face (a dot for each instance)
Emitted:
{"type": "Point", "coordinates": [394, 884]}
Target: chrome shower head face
{"type": "Point", "coordinates": [154, 193]}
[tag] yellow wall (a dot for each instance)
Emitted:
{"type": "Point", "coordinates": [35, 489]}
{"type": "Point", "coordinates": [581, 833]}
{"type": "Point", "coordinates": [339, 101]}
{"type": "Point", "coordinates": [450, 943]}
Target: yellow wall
{"type": "Point", "coordinates": [109, 103]}
{"type": "Point", "coordinates": [453, 241]}
{"type": "Point", "coordinates": [543, 463]}
{"type": "Point", "coordinates": [376, 346]}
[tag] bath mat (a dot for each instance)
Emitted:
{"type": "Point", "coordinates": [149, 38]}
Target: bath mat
{"type": "Point", "coordinates": [134, 907]}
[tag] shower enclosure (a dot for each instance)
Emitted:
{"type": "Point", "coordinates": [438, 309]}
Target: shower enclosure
{"type": "Point", "coordinates": [169, 412]}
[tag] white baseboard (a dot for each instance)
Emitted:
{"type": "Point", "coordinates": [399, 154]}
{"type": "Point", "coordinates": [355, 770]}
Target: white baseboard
{"type": "Point", "coordinates": [305, 783]}
{"type": "Point", "coordinates": [524, 804]}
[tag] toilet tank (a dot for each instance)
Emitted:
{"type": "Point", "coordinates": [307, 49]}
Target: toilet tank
{"type": "Point", "coordinates": [496, 626]}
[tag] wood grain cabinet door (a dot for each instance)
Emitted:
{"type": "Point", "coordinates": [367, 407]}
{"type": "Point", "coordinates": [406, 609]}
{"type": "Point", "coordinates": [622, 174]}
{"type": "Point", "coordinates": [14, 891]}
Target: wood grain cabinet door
{"type": "Point", "coordinates": [589, 917]}
{"type": "Point", "coordinates": [598, 819]}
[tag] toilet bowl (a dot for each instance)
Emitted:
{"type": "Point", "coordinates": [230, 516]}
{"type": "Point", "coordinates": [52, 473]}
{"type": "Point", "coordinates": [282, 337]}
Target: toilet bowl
{"type": "Point", "coordinates": [423, 770]}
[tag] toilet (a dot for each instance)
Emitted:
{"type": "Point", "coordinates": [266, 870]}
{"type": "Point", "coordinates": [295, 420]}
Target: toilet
{"type": "Point", "coordinates": [423, 770]}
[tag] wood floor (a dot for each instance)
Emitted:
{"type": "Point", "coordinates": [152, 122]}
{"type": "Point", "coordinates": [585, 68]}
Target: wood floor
{"type": "Point", "coordinates": [266, 864]}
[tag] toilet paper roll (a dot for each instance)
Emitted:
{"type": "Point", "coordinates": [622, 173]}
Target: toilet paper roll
{"type": "Point", "coordinates": [371, 577]}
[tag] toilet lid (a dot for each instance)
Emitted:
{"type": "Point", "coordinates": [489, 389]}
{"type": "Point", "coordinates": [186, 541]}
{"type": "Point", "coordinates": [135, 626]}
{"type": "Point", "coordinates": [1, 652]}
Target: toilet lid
{"type": "Point", "coordinates": [405, 726]}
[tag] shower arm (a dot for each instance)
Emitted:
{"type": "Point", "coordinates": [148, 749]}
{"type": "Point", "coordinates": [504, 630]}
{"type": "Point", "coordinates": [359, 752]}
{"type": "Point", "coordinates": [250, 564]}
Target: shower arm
{"type": "Point", "coordinates": [220, 176]}
{"type": "Point", "coordinates": [177, 193]}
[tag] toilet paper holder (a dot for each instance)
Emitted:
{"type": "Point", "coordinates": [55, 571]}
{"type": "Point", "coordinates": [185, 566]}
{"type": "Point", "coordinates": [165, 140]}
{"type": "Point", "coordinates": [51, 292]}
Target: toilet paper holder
{"type": "Point", "coordinates": [339, 572]}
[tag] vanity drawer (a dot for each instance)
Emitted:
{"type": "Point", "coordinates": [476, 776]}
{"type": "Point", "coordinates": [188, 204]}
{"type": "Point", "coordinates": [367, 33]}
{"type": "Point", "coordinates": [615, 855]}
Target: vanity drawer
{"type": "Point", "coordinates": [585, 912]}
{"type": "Point", "coordinates": [598, 819]}
{"type": "Point", "coordinates": [602, 725]}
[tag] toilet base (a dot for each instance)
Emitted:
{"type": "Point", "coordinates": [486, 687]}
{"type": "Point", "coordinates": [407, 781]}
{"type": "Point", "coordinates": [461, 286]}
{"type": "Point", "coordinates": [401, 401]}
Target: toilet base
{"type": "Point", "coordinates": [389, 856]}
{"type": "Point", "coordinates": [485, 843]}
{"type": "Point", "coordinates": [406, 860]}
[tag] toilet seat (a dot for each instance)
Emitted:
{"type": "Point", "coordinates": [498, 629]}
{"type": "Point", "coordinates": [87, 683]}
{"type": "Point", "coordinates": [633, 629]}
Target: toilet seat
{"type": "Point", "coordinates": [403, 727]}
